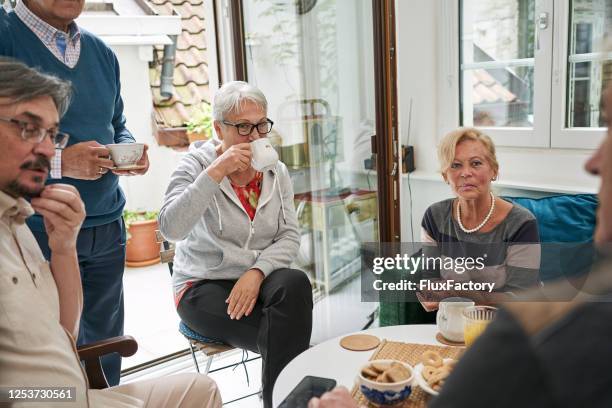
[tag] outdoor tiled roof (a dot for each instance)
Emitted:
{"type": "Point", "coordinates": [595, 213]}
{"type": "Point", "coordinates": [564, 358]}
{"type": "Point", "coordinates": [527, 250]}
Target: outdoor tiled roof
{"type": "Point", "coordinates": [486, 89]}
{"type": "Point", "coordinates": [191, 64]}
{"type": "Point", "coordinates": [495, 104]}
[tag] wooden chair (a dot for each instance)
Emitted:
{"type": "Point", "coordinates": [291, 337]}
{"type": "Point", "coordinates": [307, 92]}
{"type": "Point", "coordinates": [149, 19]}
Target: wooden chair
{"type": "Point", "coordinates": [210, 347]}
{"type": "Point", "coordinates": [90, 354]}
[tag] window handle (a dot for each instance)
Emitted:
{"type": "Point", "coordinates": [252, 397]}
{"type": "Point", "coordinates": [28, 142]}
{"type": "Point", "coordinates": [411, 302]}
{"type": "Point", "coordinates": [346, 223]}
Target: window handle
{"type": "Point", "coordinates": [394, 170]}
{"type": "Point", "coordinates": [541, 24]}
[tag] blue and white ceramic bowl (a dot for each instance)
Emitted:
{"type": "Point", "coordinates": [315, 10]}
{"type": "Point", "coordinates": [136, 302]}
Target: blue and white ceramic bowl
{"type": "Point", "coordinates": [386, 393]}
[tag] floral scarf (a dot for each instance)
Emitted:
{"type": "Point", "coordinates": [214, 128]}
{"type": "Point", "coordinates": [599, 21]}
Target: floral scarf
{"type": "Point", "coordinates": [249, 194]}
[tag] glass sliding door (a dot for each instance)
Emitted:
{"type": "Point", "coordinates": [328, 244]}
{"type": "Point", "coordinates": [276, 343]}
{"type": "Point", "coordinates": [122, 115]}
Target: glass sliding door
{"type": "Point", "coordinates": [314, 61]}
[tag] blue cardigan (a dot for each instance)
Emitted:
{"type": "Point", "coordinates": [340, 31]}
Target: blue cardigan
{"type": "Point", "coordinates": [95, 113]}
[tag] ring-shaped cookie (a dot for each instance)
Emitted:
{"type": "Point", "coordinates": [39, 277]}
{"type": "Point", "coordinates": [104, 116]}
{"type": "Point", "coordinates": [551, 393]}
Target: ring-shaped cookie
{"type": "Point", "coordinates": [432, 358]}
{"type": "Point", "coordinates": [427, 372]}
{"type": "Point", "coordinates": [439, 374]}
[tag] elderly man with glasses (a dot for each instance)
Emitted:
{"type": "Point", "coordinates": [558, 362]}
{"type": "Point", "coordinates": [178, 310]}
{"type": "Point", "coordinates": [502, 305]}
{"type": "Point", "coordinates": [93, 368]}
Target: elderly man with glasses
{"type": "Point", "coordinates": [42, 34]}
{"type": "Point", "coordinates": [40, 301]}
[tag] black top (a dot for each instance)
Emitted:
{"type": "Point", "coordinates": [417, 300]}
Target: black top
{"type": "Point", "coordinates": [567, 364]}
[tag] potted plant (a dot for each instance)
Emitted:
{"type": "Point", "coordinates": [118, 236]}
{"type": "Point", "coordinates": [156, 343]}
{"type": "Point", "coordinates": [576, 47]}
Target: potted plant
{"type": "Point", "coordinates": [142, 248]}
{"type": "Point", "coordinates": [200, 126]}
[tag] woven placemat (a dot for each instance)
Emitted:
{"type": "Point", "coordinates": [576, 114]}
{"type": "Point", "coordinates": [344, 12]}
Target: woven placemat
{"type": "Point", "coordinates": [409, 353]}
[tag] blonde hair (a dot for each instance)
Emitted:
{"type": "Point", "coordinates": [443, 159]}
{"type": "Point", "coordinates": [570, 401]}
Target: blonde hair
{"type": "Point", "coordinates": [448, 145]}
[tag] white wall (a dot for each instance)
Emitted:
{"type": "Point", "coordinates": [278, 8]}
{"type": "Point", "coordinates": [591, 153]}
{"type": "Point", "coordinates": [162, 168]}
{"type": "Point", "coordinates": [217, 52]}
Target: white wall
{"type": "Point", "coordinates": [522, 171]}
{"type": "Point", "coordinates": [418, 80]}
{"type": "Point", "coordinates": [147, 191]}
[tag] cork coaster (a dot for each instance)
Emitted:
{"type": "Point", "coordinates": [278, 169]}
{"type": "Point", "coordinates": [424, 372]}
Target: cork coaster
{"type": "Point", "coordinates": [409, 353]}
{"type": "Point", "coordinates": [359, 342]}
{"type": "Point", "coordinates": [441, 339]}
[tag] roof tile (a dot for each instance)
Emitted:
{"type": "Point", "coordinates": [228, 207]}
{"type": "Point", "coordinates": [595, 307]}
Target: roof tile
{"type": "Point", "coordinates": [486, 89]}
{"type": "Point", "coordinates": [190, 82]}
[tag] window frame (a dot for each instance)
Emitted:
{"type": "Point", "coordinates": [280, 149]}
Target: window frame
{"type": "Point", "coordinates": [550, 83]}
{"type": "Point", "coordinates": [538, 134]}
{"type": "Point", "coordinates": [564, 137]}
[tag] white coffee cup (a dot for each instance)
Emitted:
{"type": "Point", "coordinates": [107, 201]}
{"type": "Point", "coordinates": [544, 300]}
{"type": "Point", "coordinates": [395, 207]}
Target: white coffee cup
{"type": "Point", "coordinates": [450, 317]}
{"type": "Point", "coordinates": [125, 154]}
{"type": "Point", "coordinates": [264, 156]}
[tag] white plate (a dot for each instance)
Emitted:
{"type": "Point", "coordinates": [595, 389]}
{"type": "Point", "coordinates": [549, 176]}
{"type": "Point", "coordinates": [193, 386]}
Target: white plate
{"type": "Point", "coordinates": [420, 381]}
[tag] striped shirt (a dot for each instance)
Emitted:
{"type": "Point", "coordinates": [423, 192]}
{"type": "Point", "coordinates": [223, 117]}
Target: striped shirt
{"type": "Point", "coordinates": [512, 248]}
{"type": "Point", "coordinates": [66, 47]}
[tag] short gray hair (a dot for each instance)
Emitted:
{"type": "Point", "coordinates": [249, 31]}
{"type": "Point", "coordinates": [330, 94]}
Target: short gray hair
{"type": "Point", "coordinates": [21, 83]}
{"type": "Point", "coordinates": [232, 95]}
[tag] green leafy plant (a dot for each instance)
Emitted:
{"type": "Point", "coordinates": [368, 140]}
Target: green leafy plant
{"type": "Point", "coordinates": [201, 120]}
{"type": "Point", "coordinates": [289, 45]}
{"type": "Point", "coordinates": [129, 217]}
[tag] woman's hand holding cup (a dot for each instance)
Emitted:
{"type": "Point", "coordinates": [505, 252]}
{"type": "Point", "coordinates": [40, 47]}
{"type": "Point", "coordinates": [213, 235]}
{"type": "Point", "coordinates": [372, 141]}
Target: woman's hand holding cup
{"type": "Point", "coordinates": [235, 159]}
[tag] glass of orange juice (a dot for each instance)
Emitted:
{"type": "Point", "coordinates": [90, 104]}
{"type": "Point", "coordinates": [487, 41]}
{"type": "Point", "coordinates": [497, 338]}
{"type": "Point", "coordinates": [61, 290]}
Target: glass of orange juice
{"type": "Point", "coordinates": [475, 321]}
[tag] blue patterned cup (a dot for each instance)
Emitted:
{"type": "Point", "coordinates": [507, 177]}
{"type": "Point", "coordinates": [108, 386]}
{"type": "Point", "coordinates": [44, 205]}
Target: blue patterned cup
{"type": "Point", "coordinates": [383, 393]}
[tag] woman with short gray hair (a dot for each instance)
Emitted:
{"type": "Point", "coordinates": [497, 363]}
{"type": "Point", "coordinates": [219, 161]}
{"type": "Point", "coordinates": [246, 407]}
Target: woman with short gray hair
{"type": "Point", "coordinates": [237, 234]}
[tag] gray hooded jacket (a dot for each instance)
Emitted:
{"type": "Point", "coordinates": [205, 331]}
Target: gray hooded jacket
{"type": "Point", "coordinates": [215, 238]}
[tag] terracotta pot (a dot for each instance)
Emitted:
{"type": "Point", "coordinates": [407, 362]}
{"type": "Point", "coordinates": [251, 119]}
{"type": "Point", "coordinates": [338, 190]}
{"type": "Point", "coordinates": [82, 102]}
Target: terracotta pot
{"type": "Point", "coordinates": [172, 137]}
{"type": "Point", "coordinates": [142, 248]}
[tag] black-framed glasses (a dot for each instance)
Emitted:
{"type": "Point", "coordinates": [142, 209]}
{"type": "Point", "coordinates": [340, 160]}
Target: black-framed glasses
{"type": "Point", "coordinates": [36, 134]}
{"type": "Point", "coordinates": [245, 129]}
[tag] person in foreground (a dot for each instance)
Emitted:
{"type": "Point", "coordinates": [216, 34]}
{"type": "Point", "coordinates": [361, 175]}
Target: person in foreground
{"type": "Point", "coordinates": [40, 301]}
{"type": "Point", "coordinates": [43, 34]}
{"type": "Point", "coordinates": [237, 233]}
{"type": "Point", "coordinates": [479, 220]}
{"type": "Point", "coordinates": [542, 354]}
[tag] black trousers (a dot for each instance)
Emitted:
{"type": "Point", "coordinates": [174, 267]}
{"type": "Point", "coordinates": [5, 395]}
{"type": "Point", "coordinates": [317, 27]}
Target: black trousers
{"type": "Point", "coordinates": [279, 327]}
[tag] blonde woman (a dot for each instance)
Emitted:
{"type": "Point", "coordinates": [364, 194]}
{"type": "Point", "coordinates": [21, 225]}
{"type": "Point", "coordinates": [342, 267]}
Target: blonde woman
{"type": "Point", "coordinates": [476, 221]}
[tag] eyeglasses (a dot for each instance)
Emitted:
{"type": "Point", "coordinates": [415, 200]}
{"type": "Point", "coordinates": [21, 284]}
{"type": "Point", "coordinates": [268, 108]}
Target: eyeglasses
{"type": "Point", "coordinates": [36, 134]}
{"type": "Point", "coordinates": [245, 129]}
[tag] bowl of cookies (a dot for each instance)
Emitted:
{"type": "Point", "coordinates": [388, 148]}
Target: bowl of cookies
{"type": "Point", "coordinates": [385, 382]}
{"type": "Point", "coordinates": [430, 374]}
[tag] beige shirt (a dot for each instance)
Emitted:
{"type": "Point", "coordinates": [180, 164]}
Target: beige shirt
{"type": "Point", "coordinates": [35, 349]}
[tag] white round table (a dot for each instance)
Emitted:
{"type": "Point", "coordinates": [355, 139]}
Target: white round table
{"type": "Point", "coordinates": [329, 360]}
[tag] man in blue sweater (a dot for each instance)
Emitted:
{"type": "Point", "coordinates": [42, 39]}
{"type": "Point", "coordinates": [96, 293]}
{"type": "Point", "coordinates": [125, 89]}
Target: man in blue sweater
{"type": "Point", "coordinates": [43, 35]}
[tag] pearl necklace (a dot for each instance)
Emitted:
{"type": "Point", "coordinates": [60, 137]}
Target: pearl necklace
{"type": "Point", "coordinates": [482, 224]}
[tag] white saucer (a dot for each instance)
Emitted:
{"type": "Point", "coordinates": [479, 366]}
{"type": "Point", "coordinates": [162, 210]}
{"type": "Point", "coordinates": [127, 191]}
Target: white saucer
{"type": "Point", "coordinates": [131, 167]}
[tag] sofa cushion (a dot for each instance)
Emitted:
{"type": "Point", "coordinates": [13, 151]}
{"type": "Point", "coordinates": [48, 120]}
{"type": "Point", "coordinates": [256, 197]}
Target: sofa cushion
{"type": "Point", "coordinates": [562, 218]}
{"type": "Point", "coordinates": [566, 224]}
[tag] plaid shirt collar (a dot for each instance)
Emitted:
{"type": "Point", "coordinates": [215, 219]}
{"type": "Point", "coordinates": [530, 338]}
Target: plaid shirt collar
{"type": "Point", "coordinates": [44, 31]}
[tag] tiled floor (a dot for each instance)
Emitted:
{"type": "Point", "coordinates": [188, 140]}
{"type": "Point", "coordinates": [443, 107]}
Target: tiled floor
{"type": "Point", "coordinates": [150, 317]}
